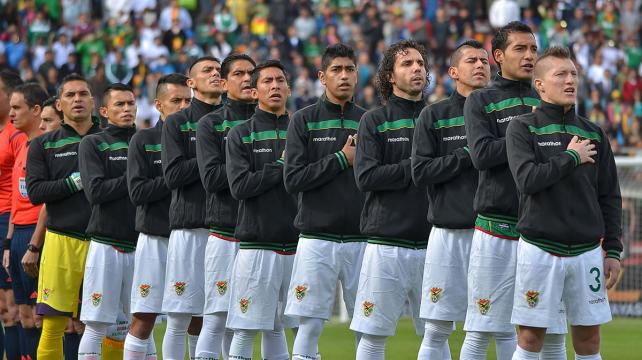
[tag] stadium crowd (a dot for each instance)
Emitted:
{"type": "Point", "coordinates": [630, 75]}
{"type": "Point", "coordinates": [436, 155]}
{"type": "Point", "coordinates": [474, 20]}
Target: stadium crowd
{"type": "Point", "coordinates": [138, 42]}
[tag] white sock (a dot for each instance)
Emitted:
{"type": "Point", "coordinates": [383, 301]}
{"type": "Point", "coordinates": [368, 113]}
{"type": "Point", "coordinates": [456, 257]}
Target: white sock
{"type": "Point", "coordinates": [307, 338]}
{"type": "Point", "coordinates": [241, 347]}
{"type": "Point", "coordinates": [445, 352]}
{"type": "Point", "coordinates": [475, 345]}
{"type": "Point", "coordinates": [192, 341]}
{"type": "Point", "coordinates": [151, 348]}
{"type": "Point", "coordinates": [274, 345]}
{"type": "Point", "coordinates": [521, 354]}
{"type": "Point", "coordinates": [210, 340]}
{"type": "Point", "coordinates": [554, 347]}
{"type": "Point", "coordinates": [135, 348]}
{"type": "Point", "coordinates": [371, 347]}
{"type": "Point", "coordinates": [92, 339]}
{"type": "Point", "coordinates": [436, 335]}
{"type": "Point", "coordinates": [174, 340]}
{"type": "Point", "coordinates": [505, 345]}
{"type": "Point", "coordinates": [227, 343]}
{"type": "Point", "coordinates": [588, 357]}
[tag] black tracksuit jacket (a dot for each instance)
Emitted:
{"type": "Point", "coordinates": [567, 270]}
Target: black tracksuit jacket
{"type": "Point", "coordinates": [487, 113]}
{"type": "Point", "coordinates": [211, 136]}
{"type": "Point", "coordinates": [565, 207]}
{"type": "Point", "coordinates": [317, 171]}
{"type": "Point", "coordinates": [395, 209]}
{"type": "Point", "coordinates": [187, 210]}
{"type": "Point", "coordinates": [254, 167]}
{"type": "Point", "coordinates": [51, 159]}
{"type": "Point", "coordinates": [146, 184]}
{"type": "Point", "coordinates": [102, 160]}
{"type": "Point", "coordinates": [441, 163]}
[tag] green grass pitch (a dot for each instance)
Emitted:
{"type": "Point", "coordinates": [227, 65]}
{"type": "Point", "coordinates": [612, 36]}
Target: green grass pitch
{"type": "Point", "coordinates": [621, 340]}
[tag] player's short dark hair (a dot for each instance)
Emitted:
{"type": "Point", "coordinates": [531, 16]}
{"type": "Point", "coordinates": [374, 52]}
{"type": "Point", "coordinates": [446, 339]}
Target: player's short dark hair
{"type": "Point", "coordinates": [557, 52]}
{"type": "Point", "coordinates": [33, 93]}
{"type": "Point", "coordinates": [10, 79]}
{"type": "Point", "coordinates": [200, 60]}
{"type": "Point", "coordinates": [115, 87]}
{"type": "Point", "coordinates": [456, 55]}
{"type": "Point", "coordinates": [386, 67]}
{"type": "Point", "coordinates": [69, 78]}
{"type": "Point", "coordinates": [336, 51]}
{"type": "Point", "coordinates": [52, 102]}
{"type": "Point", "coordinates": [226, 65]}
{"type": "Point", "coordinates": [500, 40]}
{"type": "Point", "coordinates": [264, 65]}
{"type": "Point", "coordinates": [173, 78]}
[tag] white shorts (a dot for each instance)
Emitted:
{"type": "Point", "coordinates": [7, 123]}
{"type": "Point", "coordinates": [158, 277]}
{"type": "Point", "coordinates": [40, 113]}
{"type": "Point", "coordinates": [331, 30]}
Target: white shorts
{"type": "Point", "coordinates": [260, 282]}
{"type": "Point", "coordinates": [107, 283]}
{"type": "Point", "coordinates": [543, 280]}
{"type": "Point", "coordinates": [444, 289]}
{"type": "Point", "coordinates": [390, 275]}
{"type": "Point", "coordinates": [491, 286]}
{"type": "Point", "coordinates": [185, 275]}
{"type": "Point", "coordinates": [318, 265]}
{"type": "Point", "coordinates": [219, 263]}
{"type": "Point", "coordinates": [149, 274]}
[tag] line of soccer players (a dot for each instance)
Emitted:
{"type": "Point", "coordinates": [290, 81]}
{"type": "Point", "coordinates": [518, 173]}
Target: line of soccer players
{"type": "Point", "coordinates": [497, 206]}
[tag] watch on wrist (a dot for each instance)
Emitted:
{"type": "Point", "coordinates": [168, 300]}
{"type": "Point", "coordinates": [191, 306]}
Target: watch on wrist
{"type": "Point", "coordinates": [33, 248]}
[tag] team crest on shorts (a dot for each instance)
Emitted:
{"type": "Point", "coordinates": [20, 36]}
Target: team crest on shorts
{"type": "Point", "coordinates": [244, 304]}
{"type": "Point", "coordinates": [435, 294]}
{"type": "Point", "coordinates": [96, 298]}
{"type": "Point", "coordinates": [179, 287]}
{"type": "Point", "coordinates": [144, 289]}
{"type": "Point", "coordinates": [368, 308]}
{"type": "Point", "coordinates": [484, 306]}
{"type": "Point", "coordinates": [532, 298]}
{"type": "Point", "coordinates": [299, 292]}
{"type": "Point", "coordinates": [221, 287]}
{"type": "Point", "coordinates": [45, 294]}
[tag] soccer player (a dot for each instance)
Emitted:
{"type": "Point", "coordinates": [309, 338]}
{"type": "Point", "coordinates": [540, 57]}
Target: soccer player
{"type": "Point", "coordinates": [222, 246]}
{"type": "Point", "coordinates": [184, 277]}
{"type": "Point", "coordinates": [393, 261]}
{"type": "Point", "coordinates": [102, 159]}
{"type": "Point", "coordinates": [441, 163]}
{"type": "Point", "coordinates": [491, 271]}
{"type": "Point", "coordinates": [26, 106]}
{"type": "Point", "coordinates": [53, 178]}
{"type": "Point", "coordinates": [261, 274]}
{"type": "Point", "coordinates": [318, 167]}
{"type": "Point", "coordinates": [10, 141]}
{"type": "Point", "coordinates": [151, 196]}
{"type": "Point", "coordinates": [569, 199]}
{"type": "Point", "coordinates": [51, 118]}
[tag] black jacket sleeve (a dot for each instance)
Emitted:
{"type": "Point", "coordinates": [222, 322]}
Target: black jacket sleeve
{"type": "Point", "coordinates": [210, 158]}
{"type": "Point", "coordinates": [370, 173]}
{"type": "Point", "coordinates": [530, 175]}
{"type": "Point", "coordinates": [98, 189]}
{"type": "Point", "coordinates": [610, 200]}
{"type": "Point", "coordinates": [39, 187]}
{"type": "Point", "coordinates": [301, 174]}
{"type": "Point", "coordinates": [427, 166]}
{"type": "Point", "coordinates": [177, 168]}
{"type": "Point", "coordinates": [244, 183]}
{"type": "Point", "coordinates": [486, 149]}
{"type": "Point", "coordinates": [143, 186]}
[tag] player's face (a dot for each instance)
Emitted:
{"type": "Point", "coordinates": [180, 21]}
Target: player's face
{"type": "Point", "coordinates": [518, 60]}
{"type": "Point", "coordinates": [272, 90]}
{"type": "Point", "coordinates": [473, 69]}
{"type": "Point", "coordinates": [559, 83]}
{"type": "Point", "coordinates": [238, 82]}
{"type": "Point", "coordinates": [4, 101]}
{"type": "Point", "coordinates": [20, 113]}
{"type": "Point", "coordinates": [76, 102]}
{"type": "Point", "coordinates": [174, 98]}
{"type": "Point", "coordinates": [205, 78]}
{"type": "Point", "coordinates": [120, 108]}
{"type": "Point", "coordinates": [409, 73]}
{"type": "Point", "coordinates": [340, 78]}
{"type": "Point", "coordinates": [49, 120]}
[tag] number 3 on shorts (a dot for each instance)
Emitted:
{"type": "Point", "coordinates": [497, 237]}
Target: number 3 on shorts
{"type": "Point", "coordinates": [597, 280]}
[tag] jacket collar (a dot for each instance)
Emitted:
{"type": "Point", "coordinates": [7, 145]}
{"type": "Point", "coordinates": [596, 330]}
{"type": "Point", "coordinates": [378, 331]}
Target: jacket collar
{"type": "Point", "coordinates": [95, 126]}
{"type": "Point", "coordinates": [241, 107]}
{"type": "Point", "coordinates": [457, 98]}
{"type": "Point", "coordinates": [415, 106]}
{"type": "Point", "coordinates": [505, 83]}
{"type": "Point", "coordinates": [265, 116]}
{"type": "Point", "coordinates": [203, 106]}
{"type": "Point", "coordinates": [332, 107]}
{"type": "Point", "coordinates": [555, 113]}
{"type": "Point", "coordinates": [122, 133]}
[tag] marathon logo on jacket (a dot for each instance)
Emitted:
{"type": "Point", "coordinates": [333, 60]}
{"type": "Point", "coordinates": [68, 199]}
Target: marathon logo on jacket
{"type": "Point", "coordinates": [262, 150]}
{"type": "Point", "coordinates": [398, 139]}
{"type": "Point", "coordinates": [454, 138]}
{"type": "Point", "coordinates": [118, 158]}
{"type": "Point", "coordinates": [549, 143]}
{"type": "Point", "coordinates": [65, 154]}
{"type": "Point", "coordinates": [324, 139]}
